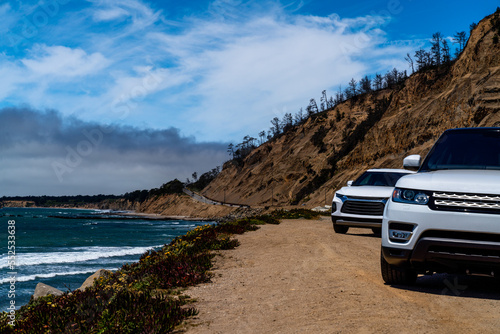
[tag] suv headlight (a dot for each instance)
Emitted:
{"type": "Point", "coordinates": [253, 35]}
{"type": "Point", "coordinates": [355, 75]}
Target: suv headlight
{"type": "Point", "coordinates": [341, 197]}
{"type": "Point", "coordinates": [410, 196]}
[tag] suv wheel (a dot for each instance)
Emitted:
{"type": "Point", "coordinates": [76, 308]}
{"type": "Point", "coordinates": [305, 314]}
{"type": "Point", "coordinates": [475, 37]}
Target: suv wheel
{"type": "Point", "coordinates": [342, 229]}
{"type": "Point", "coordinates": [396, 275]}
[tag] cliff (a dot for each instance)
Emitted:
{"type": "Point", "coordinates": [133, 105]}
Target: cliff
{"type": "Point", "coordinates": [182, 205]}
{"type": "Point", "coordinates": [307, 164]}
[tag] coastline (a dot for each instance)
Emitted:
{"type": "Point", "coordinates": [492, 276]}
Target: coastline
{"type": "Point", "coordinates": [132, 291]}
{"type": "Point", "coordinates": [86, 243]}
{"type": "Point", "coordinates": [124, 213]}
{"type": "Point", "coordinates": [157, 216]}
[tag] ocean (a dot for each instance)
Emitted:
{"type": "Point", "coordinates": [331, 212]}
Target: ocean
{"type": "Point", "coordinates": [62, 247]}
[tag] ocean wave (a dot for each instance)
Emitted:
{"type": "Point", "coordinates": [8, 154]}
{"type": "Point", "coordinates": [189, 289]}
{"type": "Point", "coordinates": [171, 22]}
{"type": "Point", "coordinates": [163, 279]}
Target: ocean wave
{"type": "Point", "coordinates": [79, 254]}
{"type": "Point", "coordinates": [101, 210]}
{"type": "Point", "coordinates": [33, 277]}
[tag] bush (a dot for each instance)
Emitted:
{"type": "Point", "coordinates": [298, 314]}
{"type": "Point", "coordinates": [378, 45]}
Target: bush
{"type": "Point", "coordinates": [295, 214]}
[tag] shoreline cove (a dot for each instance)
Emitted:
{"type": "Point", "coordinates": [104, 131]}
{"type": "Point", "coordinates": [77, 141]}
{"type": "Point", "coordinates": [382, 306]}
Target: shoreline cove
{"type": "Point", "coordinates": [63, 252]}
{"type": "Point", "coordinates": [183, 262]}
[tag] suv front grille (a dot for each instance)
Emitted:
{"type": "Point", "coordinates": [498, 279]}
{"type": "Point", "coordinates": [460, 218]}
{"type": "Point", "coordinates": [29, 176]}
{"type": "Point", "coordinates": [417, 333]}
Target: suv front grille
{"type": "Point", "coordinates": [363, 207]}
{"type": "Point", "coordinates": [479, 203]}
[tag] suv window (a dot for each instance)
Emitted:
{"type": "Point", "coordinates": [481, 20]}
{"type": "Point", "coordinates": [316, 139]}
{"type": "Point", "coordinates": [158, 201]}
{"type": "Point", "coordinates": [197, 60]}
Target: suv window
{"type": "Point", "coordinates": [465, 149]}
{"type": "Point", "coordinates": [378, 179]}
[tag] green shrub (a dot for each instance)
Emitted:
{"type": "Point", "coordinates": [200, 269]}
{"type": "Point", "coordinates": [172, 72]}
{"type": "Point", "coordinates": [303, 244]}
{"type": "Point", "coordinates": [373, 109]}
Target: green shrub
{"type": "Point", "coordinates": [295, 214]}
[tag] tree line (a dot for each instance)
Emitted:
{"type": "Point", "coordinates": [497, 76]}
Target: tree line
{"type": "Point", "coordinates": [51, 201]}
{"type": "Point", "coordinates": [438, 56]}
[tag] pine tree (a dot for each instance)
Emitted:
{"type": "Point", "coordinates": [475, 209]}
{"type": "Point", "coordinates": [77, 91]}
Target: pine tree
{"type": "Point", "coordinates": [323, 101]}
{"type": "Point", "coordinates": [459, 38]}
{"type": "Point", "coordinates": [378, 81]}
{"type": "Point", "coordinates": [276, 126]}
{"type": "Point", "coordinates": [351, 90]}
{"type": "Point", "coordinates": [422, 58]}
{"type": "Point", "coordinates": [365, 84]}
{"type": "Point", "coordinates": [287, 122]}
{"type": "Point", "coordinates": [299, 116]}
{"type": "Point", "coordinates": [339, 96]}
{"type": "Point", "coordinates": [262, 136]}
{"type": "Point", "coordinates": [436, 49]}
{"type": "Point", "coordinates": [446, 51]}
{"type": "Point", "coordinates": [312, 108]}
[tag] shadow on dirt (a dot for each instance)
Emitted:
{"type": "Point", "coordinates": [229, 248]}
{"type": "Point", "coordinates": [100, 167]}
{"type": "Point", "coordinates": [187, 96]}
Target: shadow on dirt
{"type": "Point", "coordinates": [461, 286]}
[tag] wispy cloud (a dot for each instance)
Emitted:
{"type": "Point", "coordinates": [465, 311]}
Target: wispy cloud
{"type": "Point", "coordinates": [222, 72]}
{"type": "Point", "coordinates": [62, 61]}
{"type": "Point", "coordinates": [273, 61]}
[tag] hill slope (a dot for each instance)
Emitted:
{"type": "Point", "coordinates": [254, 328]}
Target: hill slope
{"type": "Point", "coordinates": [306, 165]}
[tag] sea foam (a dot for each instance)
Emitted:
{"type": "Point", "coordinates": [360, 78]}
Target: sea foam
{"type": "Point", "coordinates": [78, 255]}
{"type": "Point", "coordinates": [33, 277]}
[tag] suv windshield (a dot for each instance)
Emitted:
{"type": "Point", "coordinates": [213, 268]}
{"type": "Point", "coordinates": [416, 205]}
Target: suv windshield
{"type": "Point", "coordinates": [383, 179]}
{"type": "Point", "coordinates": [465, 149]}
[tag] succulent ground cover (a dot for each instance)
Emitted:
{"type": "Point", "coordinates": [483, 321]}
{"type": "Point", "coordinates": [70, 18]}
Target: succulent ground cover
{"type": "Point", "coordinates": [141, 297]}
{"type": "Point", "coordinates": [295, 214]}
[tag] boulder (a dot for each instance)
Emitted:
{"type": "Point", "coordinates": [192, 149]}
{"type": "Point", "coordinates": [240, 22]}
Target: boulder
{"type": "Point", "coordinates": [43, 290]}
{"type": "Point", "coordinates": [326, 208]}
{"type": "Point", "coordinates": [90, 280]}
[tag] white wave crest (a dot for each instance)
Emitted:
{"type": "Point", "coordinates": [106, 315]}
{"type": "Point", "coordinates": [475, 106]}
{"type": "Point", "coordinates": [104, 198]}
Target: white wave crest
{"type": "Point", "coordinates": [49, 275]}
{"type": "Point", "coordinates": [90, 253]}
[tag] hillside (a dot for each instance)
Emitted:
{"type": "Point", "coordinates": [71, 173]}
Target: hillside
{"type": "Point", "coordinates": [306, 165]}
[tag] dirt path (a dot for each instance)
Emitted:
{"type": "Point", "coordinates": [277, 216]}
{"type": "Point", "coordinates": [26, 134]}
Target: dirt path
{"type": "Point", "coordinates": [301, 277]}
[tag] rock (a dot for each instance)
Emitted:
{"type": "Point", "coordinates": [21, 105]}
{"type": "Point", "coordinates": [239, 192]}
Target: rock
{"type": "Point", "coordinates": [325, 208]}
{"type": "Point", "coordinates": [43, 290]}
{"type": "Point", "coordinates": [90, 280]}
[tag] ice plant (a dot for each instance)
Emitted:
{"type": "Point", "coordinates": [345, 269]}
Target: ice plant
{"type": "Point", "coordinates": [138, 298]}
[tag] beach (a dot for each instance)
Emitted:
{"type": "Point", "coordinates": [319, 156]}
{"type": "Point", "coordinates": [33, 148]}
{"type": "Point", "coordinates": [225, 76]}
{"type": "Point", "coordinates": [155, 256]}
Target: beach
{"type": "Point", "coordinates": [301, 277]}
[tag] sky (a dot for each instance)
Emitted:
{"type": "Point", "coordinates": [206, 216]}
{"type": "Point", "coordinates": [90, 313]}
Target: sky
{"type": "Point", "coordinates": [108, 96]}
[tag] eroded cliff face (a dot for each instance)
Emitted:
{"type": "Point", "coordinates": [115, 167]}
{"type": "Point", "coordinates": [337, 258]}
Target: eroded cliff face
{"type": "Point", "coordinates": [306, 165]}
{"type": "Point", "coordinates": [182, 206]}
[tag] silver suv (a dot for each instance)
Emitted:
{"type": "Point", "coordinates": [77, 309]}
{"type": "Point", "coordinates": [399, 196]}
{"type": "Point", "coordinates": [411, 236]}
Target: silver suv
{"type": "Point", "coordinates": [446, 217]}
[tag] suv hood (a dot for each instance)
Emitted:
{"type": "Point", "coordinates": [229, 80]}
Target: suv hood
{"type": "Point", "coordinates": [459, 180]}
{"type": "Point", "coordinates": [367, 191]}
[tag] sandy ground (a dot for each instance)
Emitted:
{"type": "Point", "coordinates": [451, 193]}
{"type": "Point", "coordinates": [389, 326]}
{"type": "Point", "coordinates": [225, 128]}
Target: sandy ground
{"type": "Point", "coordinates": [301, 277]}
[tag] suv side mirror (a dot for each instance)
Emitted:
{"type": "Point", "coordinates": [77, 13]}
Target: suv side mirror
{"type": "Point", "coordinates": [349, 183]}
{"type": "Point", "coordinates": [412, 161]}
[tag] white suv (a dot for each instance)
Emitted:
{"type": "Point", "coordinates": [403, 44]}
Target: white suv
{"type": "Point", "coordinates": [362, 202]}
{"type": "Point", "coordinates": [446, 217]}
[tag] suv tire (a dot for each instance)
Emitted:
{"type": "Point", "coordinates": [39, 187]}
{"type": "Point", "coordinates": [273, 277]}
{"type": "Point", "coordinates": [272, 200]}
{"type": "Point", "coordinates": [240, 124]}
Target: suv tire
{"type": "Point", "coordinates": [342, 229]}
{"type": "Point", "coordinates": [396, 275]}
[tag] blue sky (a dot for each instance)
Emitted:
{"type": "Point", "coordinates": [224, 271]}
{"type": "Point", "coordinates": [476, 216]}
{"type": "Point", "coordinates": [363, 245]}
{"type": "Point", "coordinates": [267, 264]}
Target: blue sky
{"type": "Point", "coordinates": [197, 74]}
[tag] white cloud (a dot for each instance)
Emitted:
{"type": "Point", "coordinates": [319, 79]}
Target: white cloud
{"type": "Point", "coordinates": [109, 14]}
{"type": "Point", "coordinates": [64, 62]}
{"type": "Point", "coordinates": [219, 75]}
{"type": "Point", "coordinates": [249, 69]}
{"type": "Point", "coordinates": [142, 15]}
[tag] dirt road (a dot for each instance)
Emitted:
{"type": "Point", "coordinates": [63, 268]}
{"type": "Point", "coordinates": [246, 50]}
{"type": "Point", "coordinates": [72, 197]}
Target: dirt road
{"type": "Point", "coordinates": [301, 277]}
